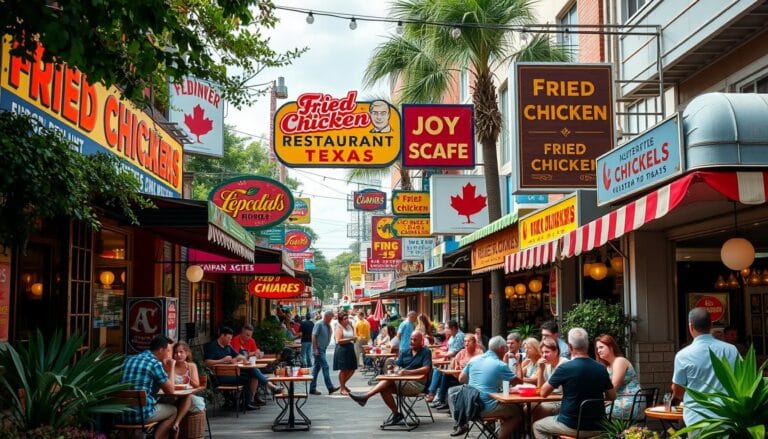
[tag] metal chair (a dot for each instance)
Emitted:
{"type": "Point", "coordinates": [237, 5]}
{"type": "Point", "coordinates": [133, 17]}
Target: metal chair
{"type": "Point", "coordinates": [590, 405]}
{"type": "Point", "coordinates": [641, 400]}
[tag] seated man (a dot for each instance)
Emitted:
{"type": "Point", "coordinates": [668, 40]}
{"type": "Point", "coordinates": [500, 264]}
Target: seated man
{"type": "Point", "coordinates": [220, 351]}
{"type": "Point", "coordinates": [581, 378]}
{"type": "Point", "coordinates": [145, 372]}
{"type": "Point", "coordinates": [244, 344]}
{"type": "Point", "coordinates": [414, 361]}
{"type": "Point", "coordinates": [486, 373]}
{"type": "Point", "coordinates": [470, 351]}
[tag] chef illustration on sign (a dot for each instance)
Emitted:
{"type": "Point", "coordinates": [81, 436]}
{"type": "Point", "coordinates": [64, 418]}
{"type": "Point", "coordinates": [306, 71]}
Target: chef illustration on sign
{"type": "Point", "coordinates": [379, 111]}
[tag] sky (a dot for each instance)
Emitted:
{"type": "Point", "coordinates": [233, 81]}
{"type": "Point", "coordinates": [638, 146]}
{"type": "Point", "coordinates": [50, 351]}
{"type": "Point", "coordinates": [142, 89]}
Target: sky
{"type": "Point", "coordinates": [334, 64]}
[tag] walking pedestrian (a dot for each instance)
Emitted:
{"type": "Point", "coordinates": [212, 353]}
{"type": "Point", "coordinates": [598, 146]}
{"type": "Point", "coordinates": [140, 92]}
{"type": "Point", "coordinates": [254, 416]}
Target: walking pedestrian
{"type": "Point", "coordinates": [321, 337]}
{"type": "Point", "coordinates": [344, 359]}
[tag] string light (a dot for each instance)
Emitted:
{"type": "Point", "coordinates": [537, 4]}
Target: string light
{"type": "Point", "coordinates": [456, 32]}
{"type": "Point", "coordinates": [353, 24]}
{"type": "Point", "coordinates": [310, 18]}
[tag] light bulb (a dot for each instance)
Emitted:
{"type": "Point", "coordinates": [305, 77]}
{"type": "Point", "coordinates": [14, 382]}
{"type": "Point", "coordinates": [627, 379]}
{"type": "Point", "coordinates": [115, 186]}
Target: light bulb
{"type": "Point", "coordinates": [399, 28]}
{"type": "Point", "coordinates": [456, 32]}
{"type": "Point", "coordinates": [352, 24]}
{"type": "Point", "coordinates": [310, 18]}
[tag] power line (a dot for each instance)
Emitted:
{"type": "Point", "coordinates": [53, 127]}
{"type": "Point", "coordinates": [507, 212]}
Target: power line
{"type": "Point", "coordinates": [335, 179]}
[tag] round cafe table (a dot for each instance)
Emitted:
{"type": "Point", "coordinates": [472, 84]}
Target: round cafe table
{"type": "Point", "coordinates": [668, 419]}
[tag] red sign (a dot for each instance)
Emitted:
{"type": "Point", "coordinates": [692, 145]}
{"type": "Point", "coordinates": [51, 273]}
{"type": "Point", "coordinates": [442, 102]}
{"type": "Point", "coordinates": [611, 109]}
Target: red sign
{"type": "Point", "coordinates": [144, 322]}
{"type": "Point", "coordinates": [172, 320]}
{"type": "Point", "coordinates": [438, 136]}
{"type": "Point", "coordinates": [5, 294]}
{"type": "Point", "coordinates": [297, 241]}
{"type": "Point", "coordinates": [358, 292]}
{"type": "Point", "coordinates": [386, 249]}
{"type": "Point", "coordinates": [275, 287]}
{"type": "Point", "coordinates": [369, 199]}
{"type": "Point", "coordinates": [254, 202]}
{"type": "Point", "coordinates": [553, 292]}
{"type": "Point", "coordinates": [713, 305]}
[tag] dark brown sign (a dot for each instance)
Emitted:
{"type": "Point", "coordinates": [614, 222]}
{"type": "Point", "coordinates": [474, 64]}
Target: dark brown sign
{"type": "Point", "coordinates": [565, 121]}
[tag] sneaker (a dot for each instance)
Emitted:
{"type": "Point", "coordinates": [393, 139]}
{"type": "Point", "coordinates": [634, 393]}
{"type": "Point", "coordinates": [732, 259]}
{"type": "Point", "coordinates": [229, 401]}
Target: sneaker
{"type": "Point", "coordinates": [430, 398]}
{"type": "Point", "coordinates": [460, 431]}
{"type": "Point", "coordinates": [315, 392]}
{"type": "Point", "coordinates": [397, 418]}
{"type": "Point", "coordinates": [436, 403]}
{"type": "Point", "coordinates": [275, 390]}
{"type": "Point", "coordinates": [441, 407]}
{"type": "Point", "coordinates": [360, 399]}
{"type": "Point", "coordinates": [258, 401]}
{"type": "Point", "coordinates": [333, 390]}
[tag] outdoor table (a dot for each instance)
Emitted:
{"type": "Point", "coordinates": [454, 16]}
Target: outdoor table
{"type": "Point", "coordinates": [668, 419]}
{"type": "Point", "coordinates": [269, 358]}
{"type": "Point", "coordinates": [441, 363]}
{"type": "Point", "coordinates": [378, 364]}
{"type": "Point", "coordinates": [257, 365]}
{"type": "Point", "coordinates": [515, 398]}
{"type": "Point", "coordinates": [410, 420]}
{"type": "Point", "coordinates": [177, 393]}
{"type": "Point", "coordinates": [286, 419]}
{"type": "Point", "coordinates": [452, 372]}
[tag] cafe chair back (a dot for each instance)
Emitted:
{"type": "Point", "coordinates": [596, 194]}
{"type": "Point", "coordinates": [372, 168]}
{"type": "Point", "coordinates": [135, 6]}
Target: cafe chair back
{"type": "Point", "coordinates": [642, 399]}
{"type": "Point", "coordinates": [138, 400]}
{"type": "Point", "coordinates": [226, 381]}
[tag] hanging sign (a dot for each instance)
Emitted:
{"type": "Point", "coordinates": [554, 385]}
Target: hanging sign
{"type": "Point", "coordinates": [197, 108]}
{"type": "Point", "coordinates": [275, 287]}
{"type": "Point", "coordinates": [564, 122]}
{"type": "Point", "coordinates": [549, 223]}
{"type": "Point", "coordinates": [369, 199]}
{"type": "Point", "coordinates": [410, 227]}
{"type": "Point", "coordinates": [458, 203]}
{"type": "Point", "coordinates": [410, 203]}
{"type": "Point", "coordinates": [297, 241]}
{"type": "Point", "coordinates": [254, 202]}
{"type": "Point", "coordinates": [356, 272]}
{"type": "Point", "coordinates": [417, 248]}
{"type": "Point", "coordinates": [440, 136]}
{"type": "Point", "coordinates": [318, 130]}
{"type": "Point", "coordinates": [301, 211]}
{"type": "Point", "coordinates": [273, 235]}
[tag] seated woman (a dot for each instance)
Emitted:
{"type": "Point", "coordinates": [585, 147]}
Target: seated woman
{"type": "Point", "coordinates": [527, 369]}
{"type": "Point", "coordinates": [394, 340]}
{"type": "Point", "coordinates": [185, 373]}
{"type": "Point", "coordinates": [622, 374]}
{"type": "Point", "coordinates": [383, 338]}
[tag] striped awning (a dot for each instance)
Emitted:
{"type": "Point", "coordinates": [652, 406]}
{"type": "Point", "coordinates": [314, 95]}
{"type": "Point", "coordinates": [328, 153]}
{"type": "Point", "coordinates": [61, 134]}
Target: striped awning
{"type": "Point", "coordinates": [744, 187]}
{"type": "Point", "coordinates": [499, 224]}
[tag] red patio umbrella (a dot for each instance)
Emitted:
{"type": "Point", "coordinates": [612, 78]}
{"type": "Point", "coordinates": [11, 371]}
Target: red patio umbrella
{"type": "Point", "coordinates": [378, 313]}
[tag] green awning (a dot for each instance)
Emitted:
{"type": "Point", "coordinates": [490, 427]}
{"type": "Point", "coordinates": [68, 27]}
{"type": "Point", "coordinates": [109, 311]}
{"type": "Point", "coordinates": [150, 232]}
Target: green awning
{"type": "Point", "coordinates": [499, 224]}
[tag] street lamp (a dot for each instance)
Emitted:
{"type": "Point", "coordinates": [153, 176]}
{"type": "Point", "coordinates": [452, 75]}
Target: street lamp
{"type": "Point", "coordinates": [278, 91]}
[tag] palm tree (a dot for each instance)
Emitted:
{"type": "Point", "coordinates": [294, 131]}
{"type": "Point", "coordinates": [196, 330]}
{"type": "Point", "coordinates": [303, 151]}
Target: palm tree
{"type": "Point", "coordinates": [423, 58]}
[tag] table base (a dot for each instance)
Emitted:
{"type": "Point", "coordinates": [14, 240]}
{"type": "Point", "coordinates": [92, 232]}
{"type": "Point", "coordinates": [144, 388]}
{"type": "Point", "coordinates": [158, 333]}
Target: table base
{"type": "Point", "coordinates": [286, 419]}
{"type": "Point", "coordinates": [410, 419]}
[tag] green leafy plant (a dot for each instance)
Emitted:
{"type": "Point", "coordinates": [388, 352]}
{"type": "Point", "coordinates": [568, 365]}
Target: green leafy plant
{"type": "Point", "coordinates": [270, 336]}
{"type": "Point", "coordinates": [741, 409]}
{"type": "Point", "coordinates": [597, 317]}
{"type": "Point", "coordinates": [48, 383]}
{"type": "Point", "coordinates": [614, 428]}
{"type": "Point", "coordinates": [526, 330]}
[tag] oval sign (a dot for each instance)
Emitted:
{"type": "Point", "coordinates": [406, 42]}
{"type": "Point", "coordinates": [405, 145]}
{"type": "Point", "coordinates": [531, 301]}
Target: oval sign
{"type": "Point", "coordinates": [254, 202]}
{"type": "Point", "coordinates": [713, 305]}
{"type": "Point", "coordinates": [370, 199]}
{"type": "Point", "coordinates": [275, 287]}
{"type": "Point", "coordinates": [297, 241]}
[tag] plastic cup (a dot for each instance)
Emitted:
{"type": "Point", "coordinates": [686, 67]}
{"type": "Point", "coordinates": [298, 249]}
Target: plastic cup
{"type": "Point", "coordinates": [505, 388]}
{"type": "Point", "coordinates": [252, 360]}
{"type": "Point", "coordinates": [295, 371]}
{"type": "Point", "coordinates": [667, 402]}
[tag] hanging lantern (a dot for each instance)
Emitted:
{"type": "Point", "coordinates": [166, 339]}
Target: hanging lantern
{"type": "Point", "coordinates": [617, 264]}
{"type": "Point", "coordinates": [534, 285]}
{"type": "Point", "coordinates": [754, 278]}
{"type": "Point", "coordinates": [509, 291]}
{"type": "Point", "coordinates": [745, 272]}
{"type": "Point", "coordinates": [598, 271]}
{"type": "Point", "coordinates": [720, 283]}
{"type": "Point", "coordinates": [36, 289]}
{"type": "Point", "coordinates": [732, 281]}
{"type": "Point", "coordinates": [194, 273]}
{"type": "Point", "coordinates": [765, 277]}
{"type": "Point", "coordinates": [107, 278]}
{"type": "Point", "coordinates": [586, 268]}
{"type": "Point", "coordinates": [520, 289]}
{"type": "Point", "coordinates": [737, 253]}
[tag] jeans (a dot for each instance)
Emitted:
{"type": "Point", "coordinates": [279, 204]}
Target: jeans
{"type": "Point", "coordinates": [255, 373]}
{"type": "Point", "coordinates": [321, 363]}
{"type": "Point", "coordinates": [446, 382]}
{"type": "Point", "coordinates": [306, 353]}
{"type": "Point", "coordinates": [434, 383]}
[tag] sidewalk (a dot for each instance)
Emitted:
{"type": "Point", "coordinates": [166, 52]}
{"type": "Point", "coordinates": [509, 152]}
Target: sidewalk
{"type": "Point", "coordinates": [332, 415]}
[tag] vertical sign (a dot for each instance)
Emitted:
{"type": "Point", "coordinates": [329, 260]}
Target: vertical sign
{"type": "Point", "coordinates": [386, 249]}
{"type": "Point", "coordinates": [5, 294]}
{"type": "Point", "coordinates": [197, 108]}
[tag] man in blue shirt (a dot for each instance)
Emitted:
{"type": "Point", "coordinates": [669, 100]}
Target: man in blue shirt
{"type": "Point", "coordinates": [145, 372]}
{"type": "Point", "coordinates": [551, 330]}
{"type": "Point", "coordinates": [693, 367]}
{"type": "Point", "coordinates": [456, 341]}
{"type": "Point", "coordinates": [414, 361]}
{"type": "Point", "coordinates": [581, 378]}
{"type": "Point", "coordinates": [321, 337]}
{"type": "Point", "coordinates": [486, 373]}
{"type": "Point", "coordinates": [405, 329]}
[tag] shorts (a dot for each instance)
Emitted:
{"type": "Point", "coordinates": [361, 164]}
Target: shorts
{"type": "Point", "coordinates": [411, 388]}
{"type": "Point", "coordinates": [162, 412]}
{"type": "Point", "coordinates": [503, 411]}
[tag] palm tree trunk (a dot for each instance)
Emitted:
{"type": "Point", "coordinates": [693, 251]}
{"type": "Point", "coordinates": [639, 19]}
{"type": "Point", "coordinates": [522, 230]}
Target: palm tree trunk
{"type": "Point", "coordinates": [488, 123]}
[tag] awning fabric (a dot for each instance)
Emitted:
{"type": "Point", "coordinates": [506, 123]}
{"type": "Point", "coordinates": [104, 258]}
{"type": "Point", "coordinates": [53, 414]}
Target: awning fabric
{"type": "Point", "coordinates": [499, 224]}
{"type": "Point", "coordinates": [744, 187]}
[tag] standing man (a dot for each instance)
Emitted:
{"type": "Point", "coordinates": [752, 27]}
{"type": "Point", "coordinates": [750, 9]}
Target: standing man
{"type": "Point", "coordinates": [405, 330]}
{"type": "Point", "coordinates": [551, 330]}
{"type": "Point", "coordinates": [321, 337]}
{"type": "Point", "coordinates": [581, 378]}
{"type": "Point", "coordinates": [693, 367]}
{"type": "Point", "coordinates": [145, 372]}
{"type": "Point", "coordinates": [363, 334]}
{"type": "Point", "coordinates": [306, 328]}
{"type": "Point", "coordinates": [375, 326]}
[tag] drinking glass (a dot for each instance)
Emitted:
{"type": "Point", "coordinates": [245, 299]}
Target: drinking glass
{"type": "Point", "coordinates": [505, 388]}
{"type": "Point", "coordinates": [667, 402]}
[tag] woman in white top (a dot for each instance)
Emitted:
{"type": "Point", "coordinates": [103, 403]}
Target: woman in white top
{"type": "Point", "coordinates": [549, 361]}
{"type": "Point", "coordinates": [344, 358]}
{"type": "Point", "coordinates": [383, 339]}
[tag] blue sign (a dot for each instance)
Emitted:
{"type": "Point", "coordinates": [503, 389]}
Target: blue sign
{"type": "Point", "coordinates": [309, 264]}
{"type": "Point", "coordinates": [649, 159]}
{"type": "Point", "coordinates": [531, 199]}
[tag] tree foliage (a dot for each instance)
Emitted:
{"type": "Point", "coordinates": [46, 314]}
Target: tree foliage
{"type": "Point", "coordinates": [44, 177]}
{"type": "Point", "coordinates": [339, 267]}
{"type": "Point", "coordinates": [139, 44]}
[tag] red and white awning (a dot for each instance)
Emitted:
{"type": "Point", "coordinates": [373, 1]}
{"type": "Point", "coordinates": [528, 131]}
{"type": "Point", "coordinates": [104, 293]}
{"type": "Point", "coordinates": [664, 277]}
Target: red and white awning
{"type": "Point", "coordinates": [744, 187]}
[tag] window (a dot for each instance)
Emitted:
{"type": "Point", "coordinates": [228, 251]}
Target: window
{"type": "Point", "coordinates": [641, 115]}
{"type": "Point", "coordinates": [504, 134]}
{"type": "Point", "coordinates": [169, 279]}
{"type": "Point", "coordinates": [570, 40]}
{"type": "Point", "coordinates": [464, 85]}
{"type": "Point", "coordinates": [630, 8]}
{"type": "Point", "coordinates": [202, 299]}
{"type": "Point", "coordinates": [758, 86]}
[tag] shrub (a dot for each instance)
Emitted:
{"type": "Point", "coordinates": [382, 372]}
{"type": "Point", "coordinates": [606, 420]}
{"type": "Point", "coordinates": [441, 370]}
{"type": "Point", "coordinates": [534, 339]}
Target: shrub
{"type": "Point", "coordinates": [270, 336]}
{"type": "Point", "coordinates": [597, 317]}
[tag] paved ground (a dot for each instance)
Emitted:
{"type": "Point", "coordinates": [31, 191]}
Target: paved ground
{"type": "Point", "coordinates": [332, 416]}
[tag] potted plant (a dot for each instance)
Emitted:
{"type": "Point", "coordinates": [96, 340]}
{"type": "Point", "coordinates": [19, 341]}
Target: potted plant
{"type": "Point", "coordinates": [270, 336]}
{"type": "Point", "coordinates": [741, 409]}
{"type": "Point", "coordinates": [525, 330]}
{"type": "Point", "coordinates": [48, 385]}
{"type": "Point", "coordinates": [597, 317]}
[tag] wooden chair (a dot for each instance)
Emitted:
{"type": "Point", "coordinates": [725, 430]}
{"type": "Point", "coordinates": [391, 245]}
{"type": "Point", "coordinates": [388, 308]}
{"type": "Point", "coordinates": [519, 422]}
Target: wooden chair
{"type": "Point", "coordinates": [135, 398]}
{"type": "Point", "coordinates": [235, 389]}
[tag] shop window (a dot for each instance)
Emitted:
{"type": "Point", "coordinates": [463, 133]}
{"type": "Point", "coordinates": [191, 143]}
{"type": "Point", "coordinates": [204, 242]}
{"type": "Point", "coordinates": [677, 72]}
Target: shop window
{"type": "Point", "coordinates": [641, 115]}
{"type": "Point", "coordinates": [603, 275]}
{"type": "Point", "coordinates": [757, 86]}
{"type": "Point", "coordinates": [202, 307]}
{"type": "Point", "coordinates": [527, 299]}
{"type": "Point", "coordinates": [458, 304]}
{"type": "Point", "coordinates": [109, 289]}
{"type": "Point", "coordinates": [111, 244]}
{"type": "Point", "coordinates": [570, 40]}
{"type": "Point", "coordinates": [504, 144]}
{"type": "Point", "coordinates": [169, 278]}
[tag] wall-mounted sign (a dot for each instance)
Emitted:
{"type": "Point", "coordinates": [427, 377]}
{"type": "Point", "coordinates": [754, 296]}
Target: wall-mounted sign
{"type": "Point", "coordinates": [564, 122]}
{"type": "Point", "coordinates": [302, 255]}
{"type": "Point", "coordinates": [356, 272]}
{"type": "Point", "coordinates": [549, 223]}
{"type": "Point", "coordinates": [406, 267]}
{"type": "Point", "coordinates": [410, 227]}
{"type": "Point", "coordinates": [95, 119]}
{"type": "Point", "coordinates": [458, 203]}
{"type": "Point", "coordinates": [647, 160]}
{"type": "Point", "coordinates": [386, 248]}
{"type": "Point", "coordinates": [375, 264]}
{"type": "Point", "coordinates": [410, 203]}
{"type": "Point", "coordinates": [370, 199]}
{"type": "Point", "coordinates": [275, 287]}
{"type": "Point", "coordinates": [716, 305]}
{"type": "Point", "coordinates": [197, 108]}
{"type": "Point", "coordinates": [147, 317]}
{"type": "Point", "coordinates": [318, 130]}
{"type": "Point", "coordinates": [301, 211]}
{"type": "Point", "coordinates": [254, 202]}
{"type": "Point", "coordinates": [440, 136]}
{"type": "Point", "coordinates": [297, 241]}
{"type": "Point", "coordinates": [417, 248]}
{"type": "Point", "coordinates": [488, 253]}
{"type": "Point", "coordinates": [272, 235]}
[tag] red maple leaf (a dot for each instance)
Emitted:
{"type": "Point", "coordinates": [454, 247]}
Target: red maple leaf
{"type": "Point", "coordinates": [197, 122]}
{"type": "Point", "coordinates": [468, 203]}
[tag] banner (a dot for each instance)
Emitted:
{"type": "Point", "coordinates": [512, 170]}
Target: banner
{"type": "Point", "coordinates": [301, 211]}
{"type": "Point", "coordinates": [438, 136]}
{"type": "Point", "coordinates": [197, 108]}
